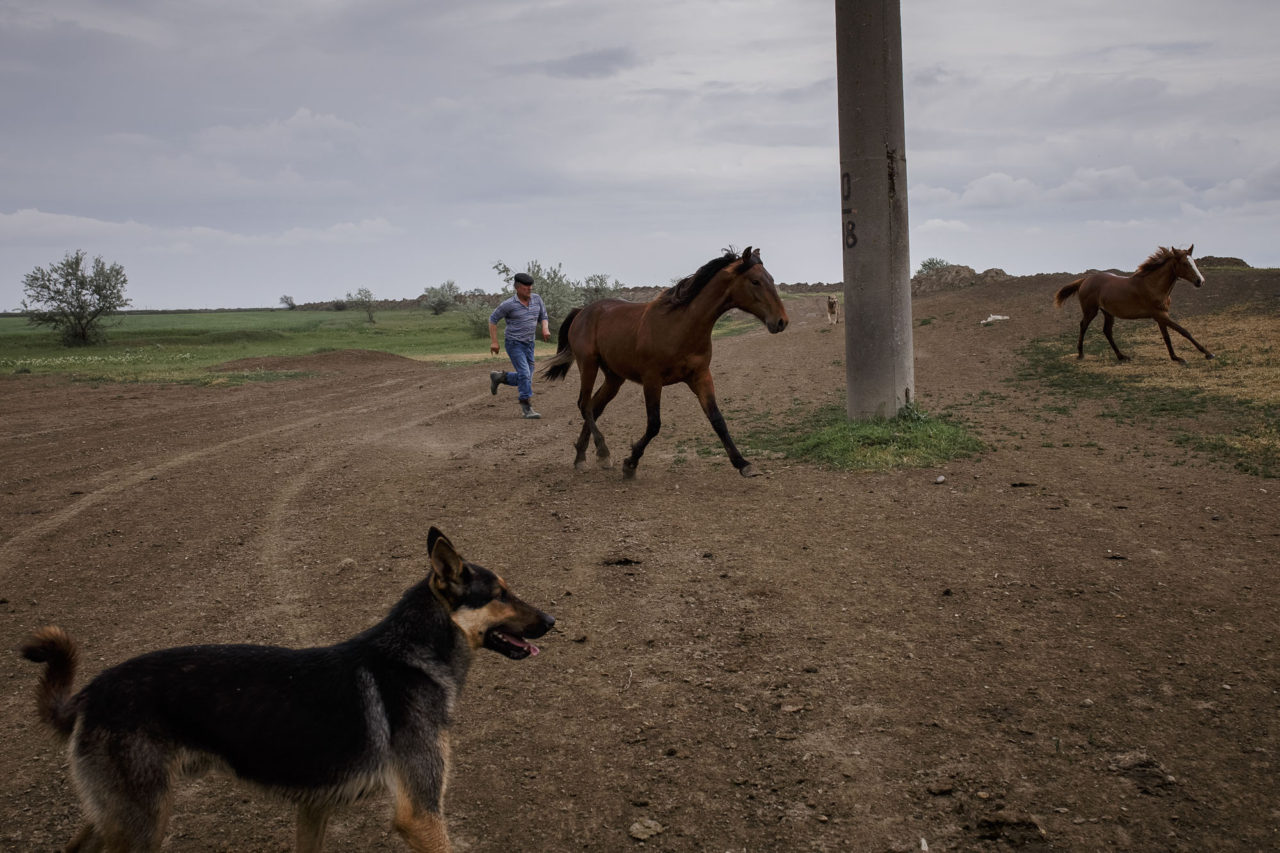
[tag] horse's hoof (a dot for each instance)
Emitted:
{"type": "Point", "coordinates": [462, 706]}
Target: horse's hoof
{"type": "Point", "coordinates": [604, 462]}
{"type": "Point", "coordinates": [580, 465]}
{"type": "Point", "coordinates": [748, 470]}
{"type": "Point", "coordinates": [628, 471]}
{"type": "Point", "coordinates": [1209, 355]}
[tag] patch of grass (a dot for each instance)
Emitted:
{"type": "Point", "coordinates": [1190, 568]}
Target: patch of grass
{"type": "Point", "coordinates": [828, 438]}
{"type": "Point", "coordinates": [1227, 408]}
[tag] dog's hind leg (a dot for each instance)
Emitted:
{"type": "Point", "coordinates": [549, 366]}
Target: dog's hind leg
{"type": "Point", "coordinates": [124, 787]}
{"type": "Point", "coordinates": [313, 821]}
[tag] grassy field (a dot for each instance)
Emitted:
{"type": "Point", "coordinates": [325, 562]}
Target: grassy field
{"type": "Point", "coordinates": [181, 347]}
{"type": "Point", "coordinates": [1228, 408]}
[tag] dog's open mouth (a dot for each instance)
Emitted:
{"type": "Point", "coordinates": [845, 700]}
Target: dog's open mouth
{"type": "Point", "coordinates": [511, 645]}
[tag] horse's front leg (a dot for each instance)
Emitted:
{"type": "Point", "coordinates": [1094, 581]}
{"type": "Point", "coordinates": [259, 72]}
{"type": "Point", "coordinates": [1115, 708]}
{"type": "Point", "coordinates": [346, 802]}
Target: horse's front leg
{"type": "Point", "coordinates": [1172, 325]}
{"type": "Point", "coordinates": [705, 390]}
{"type": "Point", "coordinates": [653, 423]}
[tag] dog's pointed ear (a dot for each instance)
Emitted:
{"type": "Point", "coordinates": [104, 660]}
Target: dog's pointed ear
{"type": "Point", "coordinates": [449, 575]}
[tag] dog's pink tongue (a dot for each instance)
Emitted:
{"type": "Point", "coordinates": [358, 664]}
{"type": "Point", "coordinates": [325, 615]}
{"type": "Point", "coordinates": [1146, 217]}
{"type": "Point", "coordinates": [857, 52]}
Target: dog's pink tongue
{"type": "Point", "coordinates": [521, 642]}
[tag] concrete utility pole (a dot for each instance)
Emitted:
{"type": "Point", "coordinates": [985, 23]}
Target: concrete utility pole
{"type": "Point", "coordinates": [879, 360]}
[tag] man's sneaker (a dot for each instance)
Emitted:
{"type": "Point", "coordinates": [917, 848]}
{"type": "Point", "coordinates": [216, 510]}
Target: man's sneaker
{"type": "Point", "coordinates": [496, 378]}
{"type": "Point", "coordinates": [527, 410]}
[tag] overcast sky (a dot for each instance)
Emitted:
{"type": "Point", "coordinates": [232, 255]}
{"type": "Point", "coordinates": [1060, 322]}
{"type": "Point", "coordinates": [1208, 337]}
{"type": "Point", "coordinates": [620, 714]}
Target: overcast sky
{"type": "Point", "coordinates": [228, 153]}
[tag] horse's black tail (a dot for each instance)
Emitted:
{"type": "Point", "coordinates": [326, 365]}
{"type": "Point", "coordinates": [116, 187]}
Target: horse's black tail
{"type": "Point", "coordinates": [54, 648]}
{"type": "Point", "coordinates": [558, 367]}
{"type": "Point", "coordinates": [1066, 292]}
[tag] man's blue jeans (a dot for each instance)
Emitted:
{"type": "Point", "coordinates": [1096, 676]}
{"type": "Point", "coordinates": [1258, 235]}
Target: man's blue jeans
{"type": "Point", "coordinates": [521, 355]}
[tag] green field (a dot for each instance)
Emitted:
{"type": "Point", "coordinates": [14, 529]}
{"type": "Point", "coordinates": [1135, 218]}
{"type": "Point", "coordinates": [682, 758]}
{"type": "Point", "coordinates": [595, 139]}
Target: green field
{"type": "Point", "coordinates": [181, 347]}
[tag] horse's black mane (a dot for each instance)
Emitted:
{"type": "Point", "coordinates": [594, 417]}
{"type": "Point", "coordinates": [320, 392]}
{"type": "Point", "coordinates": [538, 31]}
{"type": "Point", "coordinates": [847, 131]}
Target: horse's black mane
{"type": "Point", "coordinates": [686, 289]}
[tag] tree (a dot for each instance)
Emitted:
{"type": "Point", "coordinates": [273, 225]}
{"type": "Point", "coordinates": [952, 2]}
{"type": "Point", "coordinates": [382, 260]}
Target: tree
{"type": "Point", "coordinates": [74, 303]}
{"type": "Point", "coordinates": [363, 300]}
{"type": "Point", "coordinates": [287, 302]}
{"type": "Point", "coordinates": [560, 293]}
{"type": "Point", "coordinates": [441, 298]}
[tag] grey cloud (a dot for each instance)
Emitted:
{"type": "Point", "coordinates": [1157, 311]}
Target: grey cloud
{"type": "Point", "coordinates": [590, 65]}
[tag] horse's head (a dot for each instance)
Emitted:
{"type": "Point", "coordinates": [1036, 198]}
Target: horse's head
{"type": "Point", "coordinates": [752, 289]}
{"type": "Point", "coordinates": [1186, 268]}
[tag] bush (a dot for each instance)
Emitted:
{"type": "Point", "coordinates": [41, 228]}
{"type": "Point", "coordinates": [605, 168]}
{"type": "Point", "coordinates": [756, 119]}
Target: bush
{"type": "Point", "coordinates": [74, 303]}
{"type": "Point", "coordinates": [442, 298]}
{"type": "Point", "coordinates": [932, 265]}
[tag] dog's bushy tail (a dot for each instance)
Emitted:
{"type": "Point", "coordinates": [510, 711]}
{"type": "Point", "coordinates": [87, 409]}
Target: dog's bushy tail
{"type": "Point", "coordinates": [558, 367]}
{"type": "Point", "coordinates": [1066, 292]}
{"type": "Point", "coordinates": [54, 648]}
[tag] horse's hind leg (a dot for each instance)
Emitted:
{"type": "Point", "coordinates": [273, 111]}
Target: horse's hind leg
{"type": "Point", "coordinates": [591, 408]}
{"type": "Point", "coordinates": [587, 370]}
{"type": "Point", "coordinates": [1167, 324]}
{"type": "Point", "coordinates": [1089, 314]}
{"type": "Point", "coordinates": [653, 423]}
{"type": "Point", "coordinates": [606, 392]}
{"type": "Point", "coordinates": [1108, 321]}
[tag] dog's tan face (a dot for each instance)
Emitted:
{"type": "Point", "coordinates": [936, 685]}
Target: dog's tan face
{"type": "Point", "coordinates": [482, 606]}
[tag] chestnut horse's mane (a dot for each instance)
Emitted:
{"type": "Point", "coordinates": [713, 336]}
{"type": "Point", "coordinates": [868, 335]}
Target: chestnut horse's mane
{"type": "Point", "coordinates": [1159, 258]}
{"type": "Point", "coordinates": [686, 290]}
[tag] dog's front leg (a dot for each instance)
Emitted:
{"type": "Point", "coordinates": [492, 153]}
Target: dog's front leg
{"type": "Point", "coordinates": [422, 829]}
{"type": "Point", "coordinates": [312, 823]}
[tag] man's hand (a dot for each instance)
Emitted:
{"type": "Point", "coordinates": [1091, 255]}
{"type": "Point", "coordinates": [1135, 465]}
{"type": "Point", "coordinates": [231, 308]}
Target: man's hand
{"type": "Point", "coordinates": [493, 347]}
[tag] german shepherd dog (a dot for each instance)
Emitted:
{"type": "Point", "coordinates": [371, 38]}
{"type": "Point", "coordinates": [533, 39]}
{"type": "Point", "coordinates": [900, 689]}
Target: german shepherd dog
{"type": "Point", "coordinates": [833, 310]}
{"type": "Point", "coordinates": [323, 726]}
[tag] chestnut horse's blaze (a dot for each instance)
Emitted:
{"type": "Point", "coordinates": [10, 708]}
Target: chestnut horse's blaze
{"type": "Point", "coordinates": [1143, 294]}
{"type": "Point", "coordinates": [660, 343]}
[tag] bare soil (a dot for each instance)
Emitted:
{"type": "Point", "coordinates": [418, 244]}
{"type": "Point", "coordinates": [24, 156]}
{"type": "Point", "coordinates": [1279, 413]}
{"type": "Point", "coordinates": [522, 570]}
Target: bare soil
{"type": "Point", "coordinates": [1069, 644]}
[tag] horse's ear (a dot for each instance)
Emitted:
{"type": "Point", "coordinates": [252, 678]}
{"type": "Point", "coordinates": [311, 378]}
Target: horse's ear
{"type": "Point", "coordinates": [746, 254]}
{"type": "Point", "coordinates": [1192, 249]}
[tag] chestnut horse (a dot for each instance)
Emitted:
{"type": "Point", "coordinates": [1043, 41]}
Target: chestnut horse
{"type": "Point", "coordinates": [1143, 294]}
{"type": "Point", "coordinates": [661, 343]}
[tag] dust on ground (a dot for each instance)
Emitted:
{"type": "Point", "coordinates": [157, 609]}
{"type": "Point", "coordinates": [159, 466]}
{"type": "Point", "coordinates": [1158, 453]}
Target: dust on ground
{"type": "Point", "coordinates": [1067, 644]}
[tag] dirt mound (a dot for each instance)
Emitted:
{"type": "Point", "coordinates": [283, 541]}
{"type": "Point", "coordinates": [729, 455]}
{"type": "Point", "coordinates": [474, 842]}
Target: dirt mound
{"type": "Point", "coordinates": [1216, 261]}
{"type": "Point", "coordinates": [952, 277]}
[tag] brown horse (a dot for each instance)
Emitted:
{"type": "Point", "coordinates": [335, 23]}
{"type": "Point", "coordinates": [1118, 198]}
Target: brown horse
{"type": "Point", "coordinates": [660, 343]}
{"type": "Point", "coordinates": [1143, 294]}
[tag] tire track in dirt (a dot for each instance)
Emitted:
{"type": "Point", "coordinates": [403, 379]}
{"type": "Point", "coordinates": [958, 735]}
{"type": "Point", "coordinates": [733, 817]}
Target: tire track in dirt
{"type": "Point", "coordinates": [292, 497]}
{"type": "Point", "coordinates": [119, 481]}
